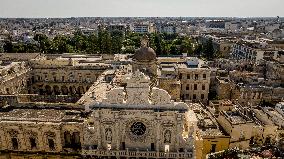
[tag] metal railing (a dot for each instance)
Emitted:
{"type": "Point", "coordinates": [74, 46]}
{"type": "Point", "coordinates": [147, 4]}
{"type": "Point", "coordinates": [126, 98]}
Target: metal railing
{"type": "Point", "coordinates": [126, 153]}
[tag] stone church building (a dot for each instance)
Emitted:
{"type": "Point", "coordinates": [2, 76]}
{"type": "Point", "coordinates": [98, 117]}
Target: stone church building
{"type": "Point", "coordinates": [123, 114]}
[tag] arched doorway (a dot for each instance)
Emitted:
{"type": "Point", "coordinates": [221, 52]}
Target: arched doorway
{"type": "Point", "coordinates": [72, 90]}
{"type": "Point", "coordinates": [56, 90]}
{"type": "Point", "coordinates": [64, 90]}
{"type": "Point", "coordinates": [48, 90]}
{"type": "Point", "coordinates": [80, 90]}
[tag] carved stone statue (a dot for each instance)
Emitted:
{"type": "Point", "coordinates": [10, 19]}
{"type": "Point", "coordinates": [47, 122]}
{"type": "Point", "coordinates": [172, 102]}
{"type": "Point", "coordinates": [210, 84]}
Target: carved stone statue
{"type": "Point", "coordinates": [108, 135]}
{"type": "Point", "coordinates": [191, 131]}
{"type": "Point", "coordinates": [145, 41]}
{"type": "Point", "coordinates": [167, 136]}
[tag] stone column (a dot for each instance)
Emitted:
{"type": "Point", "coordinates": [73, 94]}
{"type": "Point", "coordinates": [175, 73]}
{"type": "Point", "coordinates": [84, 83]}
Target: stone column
{"type": "Point", "coordinates": [117, 136]}
{"type": "Point", "coordinates": [158, 135]}
{"type": "Point", "coordinates": [158, 138]}
{"type": "Point", "coordinates": [97, 119]}
{"type": "Point", "coordinates": [178, 129]}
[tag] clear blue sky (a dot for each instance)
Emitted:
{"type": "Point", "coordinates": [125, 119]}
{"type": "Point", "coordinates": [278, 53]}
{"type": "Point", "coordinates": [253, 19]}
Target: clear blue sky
{"type": "Point", "coordinates": [90, 8]}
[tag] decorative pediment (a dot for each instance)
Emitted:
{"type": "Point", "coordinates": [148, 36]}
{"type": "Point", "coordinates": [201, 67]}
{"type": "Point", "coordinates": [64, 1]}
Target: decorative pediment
{"type": "Point", "coordinates": [160, 97]}
{"type": "Point", "coordinates": [138, 92]}
{"type": "Point", "coordinates": [115, 96]}
{"type": "Point", "coordinates": [138, 80]}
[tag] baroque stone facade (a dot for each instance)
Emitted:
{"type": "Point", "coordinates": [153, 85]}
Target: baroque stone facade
{"type": "Point", "coordinates": [130, 121]}
{"type": "Point", "coordinates": [138, 117]}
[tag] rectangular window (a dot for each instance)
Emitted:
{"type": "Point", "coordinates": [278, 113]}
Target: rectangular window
{"type": "Point", "coordinates": [202, 96]}
{"type": "Point", "coordinates": [203, 87]}
{"type": "Point", "coordinates": [187, 87]}
{"type": "Point", "coordinates": [180, 76]}
{"type": "Point", "coordinates": [33, 79]}
{"type": "Point", "coordinates": [7, 91]}
{"type": "Point", "coordinates": [196, 77]}
{"type": "Point", "coordinates": [67, 139]}
{"type": "Point", "coordinates": [188, 76]}
{"type": "Point", "coordinates": [213, 147]}
{"type": "Point", "coordinates": [195, 86]}
{"type": "Point", "coordinates": [194, 96]}
{"type": "Point", "coordinates": [186, 96]}
{"type": "Point", "coordinates": [94, 147]}
{"type": "Point", "coordinates": [152, 147]}
{"type": "Point", "coordinates": [204, 76]}
{"type": "Point", "coordinates": [76, 140]}
{"type": "Point", "coordinates": [123, 145]}
{"type": "Point", "coordinates": [251, 140]}
{"type": "Point", "coordinates": [180, 150]}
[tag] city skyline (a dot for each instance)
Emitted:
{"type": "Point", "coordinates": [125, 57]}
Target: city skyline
{"type": "Point", "coordinates": [135, 8]}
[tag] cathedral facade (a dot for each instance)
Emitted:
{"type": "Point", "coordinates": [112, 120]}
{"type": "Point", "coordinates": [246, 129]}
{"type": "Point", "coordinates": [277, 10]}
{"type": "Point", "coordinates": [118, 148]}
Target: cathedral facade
{"type": "Point", "coordinates": [136, 121]}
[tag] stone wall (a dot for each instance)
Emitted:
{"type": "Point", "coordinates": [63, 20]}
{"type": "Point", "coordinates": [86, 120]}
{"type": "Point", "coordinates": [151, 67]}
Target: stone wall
{"type": "Point", "coordinates": [13, 79]}
{"type": "Point", "coordinates": [172, 86]}
{"type": "Point", "coordinates": [34, 136]}
{"type": "Point", "coordinates": [48, 98]}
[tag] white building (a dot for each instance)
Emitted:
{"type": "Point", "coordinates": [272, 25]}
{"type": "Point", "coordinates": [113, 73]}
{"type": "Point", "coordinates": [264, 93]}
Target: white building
{"type": "Point", "coordinates": [143, 28]}
{"type": "Point", "coordinates": [232, 26]}
{"type": "Point", "coordinates": [251, 50]}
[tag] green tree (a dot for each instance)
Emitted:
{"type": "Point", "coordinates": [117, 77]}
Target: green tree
{"type": "Point", "coordinates": [128, 50]}
{"type": "Point", "coordinates": [92, 45]}
{"type": "Point", "coordinates": [157, 43]}
{"type": "Point", "coordinates": [117, 39]}
{"type": "Point", "coordinates": [186, 46]}
{"type": "Point", "coordinates": [19, 48]}
{"type": "Point", "coordinates": [8, 46]}
{"type": "Point", "coordinates": [209, 49]}
{"type": "Point", "coordinates": [60, 45]}
{"type": "Point", "coordinates": [79, 42]}
{"type": "Point", "coordinates": [135, 38]}
{"type": "Point", "coordinates": [198, 49]}
{"type": "Point", "coordinates": [31, 48]}
{"type": "Point", "coordinates": [43, 42]}
{"type": "Point", "coordinates": [104, 41]}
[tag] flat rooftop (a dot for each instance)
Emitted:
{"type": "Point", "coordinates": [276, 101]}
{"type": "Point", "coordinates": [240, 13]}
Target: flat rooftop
{"type": "Point", "coordinates": [43, 115]}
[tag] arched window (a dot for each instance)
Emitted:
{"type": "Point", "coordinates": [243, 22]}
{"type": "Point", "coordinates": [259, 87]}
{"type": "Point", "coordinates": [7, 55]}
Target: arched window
{"type": "Point", "coordinates": [64, 90]}
{"type": "Point", "coordinates": [50, 140]}
{"type": "Point", "coordinates": [14, 139]}
{"type": "Point", "coordinates": [15, 144]}
{"type": "Point", "coordinates": [67, 139]}
{"type": "Point", "coordinates": [51, 144]}
{"type": "Point", "coordinates": [33, 143]}
{"type": "Point", "coordinates": [76, 143]}
{"type": "Point", "coordinates": [56, 90]}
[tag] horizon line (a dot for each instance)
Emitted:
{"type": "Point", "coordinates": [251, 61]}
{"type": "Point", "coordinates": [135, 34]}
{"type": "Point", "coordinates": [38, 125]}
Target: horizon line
{"type": "Point", "coordinates": [141, 17]}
